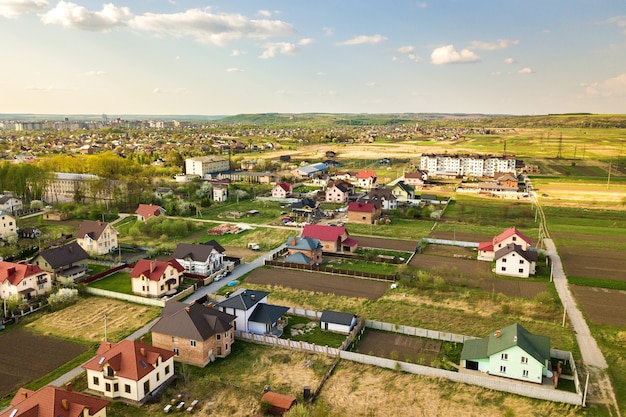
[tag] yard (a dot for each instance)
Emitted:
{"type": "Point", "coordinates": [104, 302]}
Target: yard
{"type": "Point", "coordinates": [308, 330]}
{"type": "Point", "coordinates": [400, 347]}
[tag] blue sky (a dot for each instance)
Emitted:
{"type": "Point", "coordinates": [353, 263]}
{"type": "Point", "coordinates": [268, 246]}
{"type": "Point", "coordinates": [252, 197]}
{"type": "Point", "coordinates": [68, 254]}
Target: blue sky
{"type": "Point", "coordinates": [367, 56]}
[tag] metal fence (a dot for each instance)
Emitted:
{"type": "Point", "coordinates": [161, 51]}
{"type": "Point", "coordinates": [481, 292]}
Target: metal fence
{"type": "Point", "coordinates": [330, 270]}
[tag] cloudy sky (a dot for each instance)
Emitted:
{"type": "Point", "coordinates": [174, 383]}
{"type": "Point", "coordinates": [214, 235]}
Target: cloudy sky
{"type": "Point", "coordinates": [355, 56]}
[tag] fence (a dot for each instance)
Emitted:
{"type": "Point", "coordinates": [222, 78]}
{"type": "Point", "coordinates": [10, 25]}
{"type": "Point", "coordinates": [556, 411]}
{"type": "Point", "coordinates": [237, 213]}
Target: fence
{"type": "Point", "coordinates": [416, 331]}
{"type": "Point", "coordinates": [377, 259]}
{"type": "Point", "coordinates": [330, 270]}
{"type": "Point", "coordinates": [127, 297]}
{"type": "Point", "coordinates": [106, 273]}
{"type": "Point", "coordinates": [567, 356]}
{"type": "Point", "coordinates": [286, 343]}
{"type": "Point", "coordinates": [448, 242]}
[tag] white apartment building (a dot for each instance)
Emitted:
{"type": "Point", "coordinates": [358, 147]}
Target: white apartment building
{"type": "Point", "coordinates": [203, 165]}
{"type": "Point", "coordinates": [443, 165]}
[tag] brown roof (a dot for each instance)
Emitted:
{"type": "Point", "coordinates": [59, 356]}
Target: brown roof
{"type": "Point", "coordinates": [92, 228]}
{"type": "Point", "coordinates": [149, 210]}
{"type": "Point", "coordinates": [127, 358]}
{"type": "Point", "coordinates": [152, 269]}
{"type": "Point", "coordinates": [281, 401]}
{"type": "Point", "coordinates": [53, 402]}
{"type": "Point", "coordinates": [192, 321]}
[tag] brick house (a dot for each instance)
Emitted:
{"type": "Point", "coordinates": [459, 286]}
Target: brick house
{"type": "Point", "coordinates": [197, 334]}
{"type": "Point", "coordinates": [363, 212]}
{"type": "Point", "coordinates": [96, 237]}
{"type": "Point", "coordinates": [129, 369]}
{"type": "Point", "coordinates": [52, 401]}
{"type": "Point", "coordinates": [151, 278]}
{"type": "Point", "coordinates": [303, 250]}
{"type": "Point", "coordinates": [332, 238]}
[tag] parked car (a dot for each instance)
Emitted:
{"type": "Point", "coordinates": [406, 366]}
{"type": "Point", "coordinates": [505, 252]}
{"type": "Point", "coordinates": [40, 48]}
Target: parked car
{"type": "Point", "coordinates": [254, 246]}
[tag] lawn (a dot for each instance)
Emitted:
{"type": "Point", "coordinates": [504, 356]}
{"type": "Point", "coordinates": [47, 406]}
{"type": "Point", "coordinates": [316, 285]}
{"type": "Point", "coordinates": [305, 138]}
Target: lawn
{"type": "Point", "coordinates": [399, 228]}
{"type": "Point", "coordinates": [362, 266]}
{"type": "Point", "coordinates": [269, 211]}
{"type": "Point", "coordinates": [305, 329]}
{"type": "Point", "coordinates": [118, 282]}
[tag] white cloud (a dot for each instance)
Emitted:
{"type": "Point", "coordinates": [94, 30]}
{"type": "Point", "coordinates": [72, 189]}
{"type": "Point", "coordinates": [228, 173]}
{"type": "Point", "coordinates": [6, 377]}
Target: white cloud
{"type": "Point", "coordinates": [620, 21]}
{"type": "Point", "coordinates": [321, 73]}
{"type": "Point", "coordinates": [405, 49]}
{"type": "Point", "coordinates": [96, 73]}
{"type": "Point", "coordinates": [493, 46]}
{"type": "Point", "coordinates": [510, 61]}
{"type": "Point", "coordinates": [13, 8]}
{"type": "Point", "coordinates": [371, 84]}
{"type": "Point", "coordinates": [71, 15]}
{"type": "Point", "coordinates": [306, 41]}
{"type": "Point", "coordinates": [363, 39]}
{"type": "Point", "coordinates": [328, 31]}
{"type": "Point", "coordinates": [615, 86]}
{"type": "Point", "coordinates": [526, 70]}
{"type": "Point", "coordinates": [272, 49]}
{"type": "Point", "coordinates": [449, 55]}
{"type": "Point", "coordinates": [235, 70]}
{"type": "Point", "coordinates": [265, 13]}
{"type": "Point", "coordinates": [210, 28]}
{"type": "Point", "coordinates": [414, 57]}
{"type": "Point", "coordinates": [237, 52]}
{"type": "Point", "coordinates": [422, 5]}
{"type": "Point", "coordinates": [394, 58]}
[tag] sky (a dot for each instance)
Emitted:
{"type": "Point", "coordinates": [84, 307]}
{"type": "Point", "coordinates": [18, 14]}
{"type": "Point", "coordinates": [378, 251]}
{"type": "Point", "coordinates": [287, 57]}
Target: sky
{"type": "Point", "coordinates": [231, 57]}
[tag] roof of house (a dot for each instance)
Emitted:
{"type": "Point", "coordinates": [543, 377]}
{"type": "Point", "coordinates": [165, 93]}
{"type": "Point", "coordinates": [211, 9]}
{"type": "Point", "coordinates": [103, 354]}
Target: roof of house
{"type": "Point", "coordinates": [51, 401]}
{"type": "Point", "coordinates": [537, 346]}
{"type": "Point", "coordinates": [93, 229]}
{"type": "Point", "coordinates": [488, 246]}
{"type": "Point", "coordinates": [417, 175]}
{"type": "Point", "coordinates": [337, 317]}
{"type": "Point", "coordinates": [16, 273]}
{"type": "Point", "coordinates": [129, 359]}
{"type": "Point", "coordinates": [305, 202]}
{"type": "Point", "coordinates": [215, 245]}
{"type": "Point", "coordinates": [383, 193]}
{"type": "Point", "coordinates": [5, 198]}
{"type": "Point", "coordinates": [311, 169]}
{"type": "Point", "coordinates": [405, 187]}
{"type": "Point", "coordinates": [341, 186]}
{"type": "Point", "coordinates": [192, 321]}
{"type": "Point", "coordinates": [298, 258]}
{"type": "Point", "coordinates": [361, 207]}
{"type": "Point", "coordinates": [267, 313]}
{"type": "Point", "coordinates": [277, 400]}
{"type": "Point", "coordinates": [303, 243]}
{"type": "Point", "coordinates": [364, 174]}
{"type": "Point", "coordinates": [243, 299]}
{"type": "Point", "coordinates": [149, 210]}
{"type": "Point", "coordinates": [284, 185]}
{"type": "Point", "coordinates": [324, 232]}
{"type": "Point", "coordinates": [530, 256]}
{"type": "Point", "coordinates": [153, 269]}
{"type": "Point", "coordinates": [197, 252]}
{"type": "Point", "coordinates": [510, 232]}
{"type": "Point", "coordinates": [64, 255]}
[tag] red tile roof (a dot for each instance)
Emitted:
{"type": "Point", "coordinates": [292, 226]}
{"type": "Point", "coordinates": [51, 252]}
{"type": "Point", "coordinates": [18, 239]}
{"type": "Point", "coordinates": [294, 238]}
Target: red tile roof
{"type": "Point", "coordinates": [149, 210]}
{"type": "Point", "coordinates": [284, 185]}
{"type": "Point", "coordinates": [153, 270]}
{"type": "Point", "coordinates": [281, 401]}
{"type": "Point", "coordinates": [53, 402]}
{"type": "Point", "coordinates": [485, 246]}
{"type": "Point", "coordinates": [366, 174]}
{"type": "Point", "coordinates": [127, 358]}
{"type": "Point", "coordinates": [322, 232]}
{"type": "Point", "coordinates": [16, 273]}
{"type": "Point", "coordinates": [361, 207]}
{"type": "Point", "coordinates": [510, 232]}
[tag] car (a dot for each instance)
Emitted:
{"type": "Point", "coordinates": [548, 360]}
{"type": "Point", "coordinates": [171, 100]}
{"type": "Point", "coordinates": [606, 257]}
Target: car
{"type": "Point", "coordinates": [283, 212]}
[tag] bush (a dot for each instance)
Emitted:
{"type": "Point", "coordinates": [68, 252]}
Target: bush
{"type": "Point", "coordinates": [62, 298]}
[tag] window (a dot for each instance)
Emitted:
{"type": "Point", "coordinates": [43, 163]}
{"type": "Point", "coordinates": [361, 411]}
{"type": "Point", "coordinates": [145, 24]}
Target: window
{"type": "Point", "coordinates": [116, 387]}
{"type": "Point", "coordinates": [176, 351]}
{"type": "Point", "coordinates": [107, 387]}
{"type": "Point", "coordinates": [146, 387]}
{"type": "Point", "coordinates": [514, 238]}
{"type": "Point", "coordinates": [192, 343]}
{"type": "Point", "coordinates": [524, 359]}
{"type": "Point", "coordinates": [226, 347]}
{"type": "Point", "coordinates": [158, 376]}
{"type": "Point", "coordinates": [521, 270]}
{"type": "Point", "coordinates": [502, 369]}
{"type": "Point", "coordinates": [218, 336]}
{"type": "Point", "coordinates": [167, 369]}
{"type": "Point", "coordinates": [96, 380]}
{"type": "Point", "coordinates": [504, 356]}
{"type": "Point", "coordinates": [503, 268]}
{"type": "Point", "coordinates": [503, 259]}
{"type": "Point", "coordinates": [162, 287]}
{"type": "Point", "coordinates": [127, 388]}
{"type": "Point", "coordinates": [525, 373]}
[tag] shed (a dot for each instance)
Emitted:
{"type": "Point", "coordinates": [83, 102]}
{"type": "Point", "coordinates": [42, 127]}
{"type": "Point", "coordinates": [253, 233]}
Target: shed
{"type": "Point", "coordinates": [278, 403]}
{"type": "Point", "coordinates": [336, 321]}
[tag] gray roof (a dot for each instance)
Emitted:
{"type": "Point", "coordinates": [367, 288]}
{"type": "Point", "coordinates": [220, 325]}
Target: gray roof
{"type": "Point", "coordinates": [303, 243]}
{"type": "Point", "coordinates": [64, 255]}
{"type": "Point", "coordinates": [337, 317]}
{"type": "Point", "coordinates": [192, 321]}
{"type": "Point", "coordinates": [243, 299]}
{"type": "Point", "coordinates": [298, 258]}
{"type": "Point", "coordinates": [267, 313]}
{"type": "Point", "coordinates": [199, 253]}
{"type": "Point", "coordinates": [530, 256]}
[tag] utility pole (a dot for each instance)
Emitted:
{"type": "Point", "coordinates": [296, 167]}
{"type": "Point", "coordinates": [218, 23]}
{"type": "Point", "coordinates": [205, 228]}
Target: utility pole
{"type": "Point", "coordinates": [105, 327]}
{"type": "Point", "coordinates": [559, 154]}
{"type": "Point", "coordinates": [608, 180]}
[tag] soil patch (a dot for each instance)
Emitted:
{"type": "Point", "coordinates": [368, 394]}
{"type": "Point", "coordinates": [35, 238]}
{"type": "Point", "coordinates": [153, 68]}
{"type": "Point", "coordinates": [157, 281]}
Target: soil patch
{"type": "Point", "coordinates": [601, 264]}
{"type": "Point", "coordinates": [316, 282]}
{"type": "Point", "coordinates": [601, 305]}
{"type": "Point", "coordinates": [400, 347]}
{"type": "Point", "coordinates": [390, 244]}
{"type": "Point", "coordinates": [26, 356]}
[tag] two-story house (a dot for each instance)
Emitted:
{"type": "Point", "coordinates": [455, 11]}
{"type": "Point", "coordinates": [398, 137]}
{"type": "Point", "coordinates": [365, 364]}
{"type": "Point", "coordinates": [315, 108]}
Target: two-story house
{"type": "Point", "coordinates": [303, 250]}
{"type": "Point", "coordinates": [197, 334]}
{"type": "Point", "coordinates": [10, 204]}
{"type": "Point", "coordinates": [199, 259]}
{"type": "Point", "coordinates": [25, 280]}
{"type": "Point", "coordinates": [145, 212]}
{"type": "Point", "coordinates": [363, 212]}
{"type": "Point", "coordinates": [253, 313]}
{"type": "Point", "coordinates": [514, 261]}
{"type": "Point", "coordinates": [129, 369]}
{"type": "Point", "coordinates": [487, 250]}
{"type": "Point", "coordinates": [337, 193]}
{"type": "Point", "coordinates": [152, 278]}
{"type": "Point", "coordinates": [403, 191]}
{"type": "Point", "coordinates": [96, 237]}
{"type": "Point", "coordinates": [366, 179]}
{"type": "Point", "coordinates": [332, 238]}
{"type": "Point", "coordinates": [51, 401]}
{"type": "Point", "coordinates": [8, 227]}
{"type": "Point", "coordinates": [281, 190]}
{"type": "Point", "coordinates": [67, 263]}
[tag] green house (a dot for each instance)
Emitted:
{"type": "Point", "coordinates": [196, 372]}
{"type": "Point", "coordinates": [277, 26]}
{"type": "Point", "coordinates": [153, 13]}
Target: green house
{"type": "Point", "coordinates": [512, 352]}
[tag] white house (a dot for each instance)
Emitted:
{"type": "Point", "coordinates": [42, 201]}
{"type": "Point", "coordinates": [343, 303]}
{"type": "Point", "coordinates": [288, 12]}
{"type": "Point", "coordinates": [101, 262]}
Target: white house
{"type": "Point", "coordinates": [281, 190]}
{"type": "Point", "coordinates": [512, 352]}
{"type": "Point", "coordinates": [338, 322]}
{"type": "Point", "coordinates": [487, 250]}
{"type": "Point", "coordinates": [200, 259]}
{"type": "Point", "coordinates": [23, 279]}
{"type": "Point", "coordinates": [366, 178]}
{"type": "Point", "coordinates": [10, 204]}
{"type": "Point", "coordinates": [220, 194]}
{"type": "Point", "coordinates": [152, 278]}
{"type": "Point", "coordinates": [96, 237]}
{"type": "Point", "coordinates": [253, 313]}
{"type": "Point", "coordinates": [8, 227]}
{"type": "Point", "coordinates": [129, 369]}
{"type": "Point", "coordinates": [514, 261]}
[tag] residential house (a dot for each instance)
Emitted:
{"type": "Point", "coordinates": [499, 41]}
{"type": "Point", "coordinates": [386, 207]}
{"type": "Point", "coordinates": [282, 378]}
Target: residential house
{"type": "Point", "coordinates": [403, 191]}
{"type": "Point", "coordinates": [303, 250]}
{"type": "Point", "coordinates": [197, 334]}
{"type": "Point", "coordinates": [281, 190]}
{"type": "Point", "coordinates": [363, 212]}
{"type": "Point", "coordinates": [8, 227]}
{"type": "Point", "coordinates": [338, 322]}
{"type": "Point", "coordinates": [514, 261]}
{"type": "Point", "coordinates": [55, 215]}
{"type": "Point", "coordinates": [278, 404]}
{"type": "Point", "coordinates": [28, 232]}
{"type": "Point", "coordinates": [333, 238]}
{"type": "Point", "coordinates": [338, 192]}
{"type": "Point", "coordinates": [253, 313]}
{"type": "Point", "coordinates": [51, 401]}
{"type": "Point", "coordinates": [306, 208]}
{"type": "Point", "coordinates": [145, 212]}
{"type": "Point", "coordinates": [220, 194]}
{"type": "Point", "coordinates": [152, 278]}
{"type": "Point", "coordinates": [366, 178]}
{"type": "Point", "coordinates": [164, 192]}
{"type": "Point", "coordinates": [487, 250]}
{"type": "Point", "coordinates": [199, 259]}
{"type": "Point", "coordinates": [383, 197]}
{"type": "Point", "coordinates": [129, 370]}
{"type": "Point", "coordinates": [508, 179]}
{"type": "Point", "coordinates": [512, 352]}
{"type": "Point", "coordinates": [10, 204]}
{"type": "Point", "coordinates": [96, 237]}
{"type": "Point", "coordinates": [67, 263]}
{"type": "Point", "coordinates": [24, 279]}
{"type": "Point", "coordinates": [415, 179]}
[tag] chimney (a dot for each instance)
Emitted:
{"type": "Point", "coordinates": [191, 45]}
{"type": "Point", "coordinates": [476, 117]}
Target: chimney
{"type": "Point", "coordinates": [252, 297]}
{"type": "Point", "coordinates": [24, 394]}
{"type": "Point", "coordinates": [65, 404]}
{"type": "Point", "coordinates": [68, 386]}
{"type": "Point", "coordinates": [142, 351]}
{"type": "Point", "coordinates": [293, 241]}
{"type": "Point", "coordinates": [152, 265]}
{"type": "Point", "coordinates": [71, 249]}
{"type": "Point", "coordinates": [99, 223]}
{"type": "Point", "coordinates": [142, 339]}
{"type": "Point", "coordinates": [498, 333]}
{"type": "Point", "coordinates": [187, 309]}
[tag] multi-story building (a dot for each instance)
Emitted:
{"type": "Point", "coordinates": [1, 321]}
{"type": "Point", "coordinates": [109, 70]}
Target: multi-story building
{"type": "Point", "coordinates": [203, 165]}
{"type": "Point", "coordinates": [152, 278]}
{"type": "Point", "coordinates": [96, 237]}
{"type": "Point", "coordinates": [442, 165]}
{"type": "Point", "coordinates": [8, 229]}
{"type": "Point", "coordinates": [53, 401]}
{"type": "Point", "coordinates": [23, 279]}
{"type": "Point", "coordinates": [77, 187]}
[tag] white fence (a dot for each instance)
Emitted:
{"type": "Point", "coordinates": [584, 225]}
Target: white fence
{"type": "Point", "coordinates": [286, 343]}
{"type": "Point", "coordinates": [304, 313]}
{"type": "Point", "coordinates": [416, 331]}
{"type": "Point", "coordinates": [449, 242]}
{"type": "Point", "coordinates": [125, 297]}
